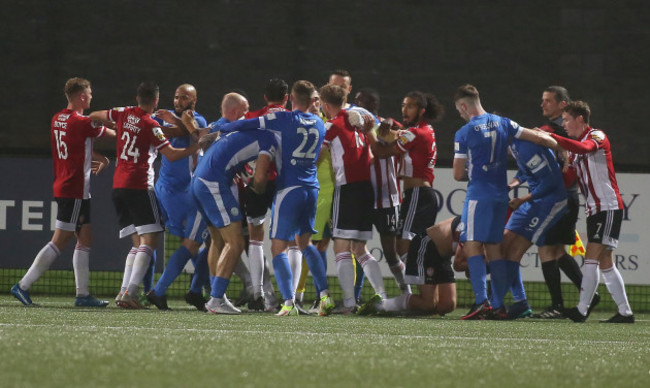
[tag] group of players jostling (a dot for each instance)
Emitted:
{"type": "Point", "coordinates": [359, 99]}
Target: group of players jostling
{"type": "Point", "coordinates": [329, 170]}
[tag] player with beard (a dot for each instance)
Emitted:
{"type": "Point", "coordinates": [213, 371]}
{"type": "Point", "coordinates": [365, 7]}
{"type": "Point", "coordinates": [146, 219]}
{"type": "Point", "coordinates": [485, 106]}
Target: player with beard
{"type": "Point", "coordinates": [178, 210]}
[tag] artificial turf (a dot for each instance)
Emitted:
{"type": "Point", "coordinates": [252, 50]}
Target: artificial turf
{"type": "Point", "coordinates": [58, 345]}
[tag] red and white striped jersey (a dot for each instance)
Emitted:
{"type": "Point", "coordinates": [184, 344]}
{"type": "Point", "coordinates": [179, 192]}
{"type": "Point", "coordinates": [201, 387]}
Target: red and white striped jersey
{"type": "Point", "coordinates": [139, 138]}
{"type": "Point", "coordinates": [591, 156]}
{"type": "Point", "coordinates": [419, 152]}
{"type": "Point", "coordinates": [349, 149]}
{"type": "Point", "coordinates": [72, 147]}
{"type": "Point", "coordinates": [383, 175]}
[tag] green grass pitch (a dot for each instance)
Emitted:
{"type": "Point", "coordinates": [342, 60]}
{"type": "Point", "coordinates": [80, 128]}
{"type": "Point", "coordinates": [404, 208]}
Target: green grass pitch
{"type": "Point", "coordinates": [58, 345]}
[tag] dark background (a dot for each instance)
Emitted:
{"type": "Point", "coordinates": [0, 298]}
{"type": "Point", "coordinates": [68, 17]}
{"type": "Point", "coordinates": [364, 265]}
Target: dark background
{"type": "Point", "coordinates": [510, 50]}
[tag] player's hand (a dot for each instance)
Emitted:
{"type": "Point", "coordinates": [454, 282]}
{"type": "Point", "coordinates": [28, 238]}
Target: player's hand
{"type": "Point", "coordinates": [188, 120]}
{"type": "Point", "coordinates": [515, 203]}
{"type": "Point", "coordinates": [368, 122]}
{"type": "Point", "coordinates": [166, 115]}
{"type": "Point", "coordinates": [564, 157]}
{"type": "Point", "coordinates": [96, 166]}
{"type": "Point", "coordinates": [385, 127]}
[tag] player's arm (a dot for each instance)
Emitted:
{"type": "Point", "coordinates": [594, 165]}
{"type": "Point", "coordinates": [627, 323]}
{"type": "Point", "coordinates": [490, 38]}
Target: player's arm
{"type": "Point", "coordinates": [323, 149]}
{"type": "Point", "coordinates": [539, 137]}
{"type": "Point", "coordinates": [100, 116]}
{"type": "Point", "coordinates": [177, 129]}
{"type": "Point", "coordinates": [575, 146]}
{"type": "Point", "coordinates": [244, 125]}
{"type": "Point", "coordinates": [261, 176]}
{"type": "Point", "coordinates": [460, 172]}
{"type": "Point", "coordinates": [192, 126]}
{"type": "Point", "coordinates": [174, 154]}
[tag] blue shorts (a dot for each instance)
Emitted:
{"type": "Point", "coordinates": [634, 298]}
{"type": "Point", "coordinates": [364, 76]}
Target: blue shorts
{"type": "Point", "coordinates": [483, 220]}
{"type": "Point", "coordinates": [293, 212]}
{"type": "Point", "coordinates": [533, 219]}
{"type": "Point", "coordinates": [180, 214]}
{"type": "Point", "coordinates": [216, 201]}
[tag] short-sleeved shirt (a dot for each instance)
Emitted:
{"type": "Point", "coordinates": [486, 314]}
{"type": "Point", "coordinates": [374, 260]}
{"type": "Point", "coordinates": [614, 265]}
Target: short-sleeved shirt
{"type": "Point", "coordinates": [418, 152]}
{"type": "Point", "coordinates": [139, 138]}
{"type": "Point", "coordinates": [349, 149]}
{"type": "Point", "coordinates": [72, 147]}
{"type": "Point", "coordinates": [300, 137]}
{"type": "Point", "coordinates": [483, 141]}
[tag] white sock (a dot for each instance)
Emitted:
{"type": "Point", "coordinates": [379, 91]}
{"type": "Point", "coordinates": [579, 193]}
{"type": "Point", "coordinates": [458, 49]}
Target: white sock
{"type": "Point", "coordinates": [128, 268]}
{"type": "Point", "coordinates": [42, 262]}
{"type": "Point", "coordinates": [295, 262]}
{"type": "Point", "coordinates": [324, 293]}
{"type": "Point", "coordinates": [241, 270]}
{"type": "Point", "coordinates": [299, 296]}
{"type": "Point", "coordinates": [80, 259]}
{"type": "Point", "coordinates": [267, 285]}
{"type": "Point", "coordinates": [256, 263]}
{"type": "Point", "coordinates": [616, 288]}
{"type": "Point", "coordinates": [140, 267]}
{"type": "Point", "coordinates": [589, 284]}
{"type": "Point", "coordinates": [345, 271]}
{"type": "Point", "coordinates": [373, 273]}
{"type": "Point", "coordinates": [397, 304]}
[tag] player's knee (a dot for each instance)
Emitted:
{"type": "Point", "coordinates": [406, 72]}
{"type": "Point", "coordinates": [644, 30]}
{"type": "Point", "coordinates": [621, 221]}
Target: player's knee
{"type": "Point", "coordinates": [445, 306]}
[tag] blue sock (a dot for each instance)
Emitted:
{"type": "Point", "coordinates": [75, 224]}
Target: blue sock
{"type": "Point", "coordinates": [358, 281]}
{"type": "Point", "coordinates": [147, 280]}
{"type": "Point", "coordinates": [499, 281]}
{"type": "Point", "coordinates": [219, 286]}
{"type": "Point", "coordinates": [517, 285]}
{"type": "Point", "coordinates": [315, 264]}
{"type": "Point", "coordinates": [201, 275]}
{"type": "Point", "coordinates": [283, 275]}
{"type": "Point", "coordinates": [478, 277]}
{"type": "Point", "coordinates": [174, 267]}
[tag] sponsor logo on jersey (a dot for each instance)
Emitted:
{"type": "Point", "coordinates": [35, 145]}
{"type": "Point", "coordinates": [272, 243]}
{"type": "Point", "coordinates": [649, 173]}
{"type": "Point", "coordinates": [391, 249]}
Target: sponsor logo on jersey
{"type": "Point", "coordinates": [63, 117]}
{"type": "Point", "coordinates": [599, 136]}
{"type": "Point", "coordinates": [133, 119]}
{"type": "Point", "coordinates": [534, 162]}
{"type": "Point", "coordinates": [406, 137]}
{"type": "Point", "coordinates": [159, 133]}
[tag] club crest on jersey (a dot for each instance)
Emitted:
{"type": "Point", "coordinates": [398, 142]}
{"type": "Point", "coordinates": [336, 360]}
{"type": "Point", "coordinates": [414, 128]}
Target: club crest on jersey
{"type": "Point", "coordinates": [599, 136]}
{"type": "Point", "coordinates": [158, 133]}
{"type": "Point", "coordinates": [534, 162]}
{"type": "Point", "coordinates": [234, 211]}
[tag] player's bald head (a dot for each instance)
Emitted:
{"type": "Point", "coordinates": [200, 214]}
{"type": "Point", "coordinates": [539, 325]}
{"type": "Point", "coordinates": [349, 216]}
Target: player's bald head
{"type": "Point", "coordinates": [188, 89]}
{"type": "Point", "coordinates": [233, 106]}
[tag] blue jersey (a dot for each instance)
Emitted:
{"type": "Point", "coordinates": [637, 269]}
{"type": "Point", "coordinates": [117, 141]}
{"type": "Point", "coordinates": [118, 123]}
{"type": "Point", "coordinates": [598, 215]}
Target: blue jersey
{"type": "Point", "coordinates": [483, 141]}
{"type": "Point", "coordinates": [177, 175]}
{"type": "Point", "coordinates": [228, 154]}
{"type": "Point", "coordinates": [216, 125]}
{"type": "Point", "coordinates": [539, 168]}
{"type": "Point", "coordinates": [300, 136]}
